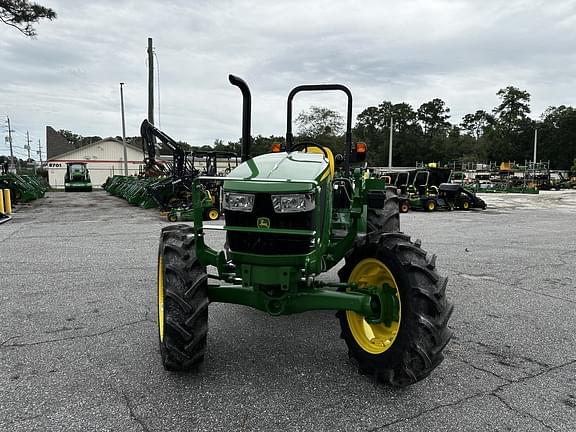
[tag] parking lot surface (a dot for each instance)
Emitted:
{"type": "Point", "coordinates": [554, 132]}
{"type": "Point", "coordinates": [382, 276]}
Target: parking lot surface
{"type": "Point", "coordinates": [79, 351]}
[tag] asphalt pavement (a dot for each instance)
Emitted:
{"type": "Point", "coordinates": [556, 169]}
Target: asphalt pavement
{"type": "Point", "coordinates": [79, 351]}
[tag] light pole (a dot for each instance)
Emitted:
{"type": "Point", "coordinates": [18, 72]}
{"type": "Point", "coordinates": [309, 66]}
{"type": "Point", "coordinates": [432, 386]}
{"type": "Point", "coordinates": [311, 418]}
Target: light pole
{"type": "Point", "coordinates": [123, 129]}
{"type": "Point", "coordinates": [535, 148]}
{"type": "Point", "coordinates": [390, 146]}
{"type": "Point", "coordinates": [535, 144]}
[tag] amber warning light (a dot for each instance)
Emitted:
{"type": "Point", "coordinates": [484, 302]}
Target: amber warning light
{"type": "Point", "coordinates": [276, 148]}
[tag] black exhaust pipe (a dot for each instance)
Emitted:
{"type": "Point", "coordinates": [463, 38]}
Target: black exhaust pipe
{"type": "Point", "coordinates": [246, 115]}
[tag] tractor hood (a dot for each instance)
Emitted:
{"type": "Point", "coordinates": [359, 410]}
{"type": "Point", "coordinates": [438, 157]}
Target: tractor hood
{"type": "Point", "coordinates": [279, 172]}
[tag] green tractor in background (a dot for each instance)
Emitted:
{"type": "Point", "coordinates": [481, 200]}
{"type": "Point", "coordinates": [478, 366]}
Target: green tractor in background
{"type": "Point", "coordinates": [291, 216]}
{"type": "Point", "coordinates": [77, 178]}
{"type": "Point", "coordinates": [185, 212]}
{"type": "Point", "coordinates": [211, 198]}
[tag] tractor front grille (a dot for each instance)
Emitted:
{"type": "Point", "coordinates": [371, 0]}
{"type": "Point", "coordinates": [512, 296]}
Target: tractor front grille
{"type": "Point", "coordinates": [270, 244]}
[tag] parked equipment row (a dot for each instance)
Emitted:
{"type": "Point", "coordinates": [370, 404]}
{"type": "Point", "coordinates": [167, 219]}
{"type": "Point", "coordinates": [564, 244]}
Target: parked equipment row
{"type": "Point", "coordinates": [135, 190]}
{"type": "Point", "coordinates": [23, 188]}
{"type": "Point", "coordinates": [172, 198]}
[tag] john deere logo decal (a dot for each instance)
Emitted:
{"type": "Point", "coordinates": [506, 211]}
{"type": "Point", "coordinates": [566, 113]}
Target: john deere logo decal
{"type": "Point", "coordinates": [263, 222]}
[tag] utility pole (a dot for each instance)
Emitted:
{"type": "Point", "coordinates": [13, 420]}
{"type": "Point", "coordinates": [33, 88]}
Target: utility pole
{"type": "Point", "coordinates": [28, 144]}
{"type": "Point", "coordinates": [12, 166]}
{"type": "Point", "coordinates": [150, 81]}
{"type": "Point", "coordinates": [123, 129]}
{"type": "Point", "coordinates": [40, 153]}
{"type": "Point", "coordinates": [390, 147]}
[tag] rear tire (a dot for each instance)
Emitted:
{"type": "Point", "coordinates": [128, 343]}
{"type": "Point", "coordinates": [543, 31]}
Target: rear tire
{"type": "Point", "coordinates": [386, 219]}
{"type": "Point", "coordinates": [413, 347]}
{"type": "Point", "coordinates": [465, 205]}
{"type": "Point", "coordinates": [182, 300]}
{"type": "Point", "coordinates": [431, 205]}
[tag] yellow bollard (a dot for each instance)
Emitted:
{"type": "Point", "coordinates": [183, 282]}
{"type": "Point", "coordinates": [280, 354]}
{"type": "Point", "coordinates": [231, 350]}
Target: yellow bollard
{"type": "Point", "coordinates": [8, 201]}
{"type": "Point", "coordinates": [1, 201]}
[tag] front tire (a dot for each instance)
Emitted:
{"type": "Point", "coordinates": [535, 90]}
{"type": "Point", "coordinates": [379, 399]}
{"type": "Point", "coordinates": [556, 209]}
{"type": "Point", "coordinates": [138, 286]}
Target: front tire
{"type": "Point", "coordinates": [182, 300]}
{"type": "Point", "coordinates": [212, 214]}
{"type": "Point", "coordinates": [411, 348]}
{"type": "Point", "coordinates": [404, 207]}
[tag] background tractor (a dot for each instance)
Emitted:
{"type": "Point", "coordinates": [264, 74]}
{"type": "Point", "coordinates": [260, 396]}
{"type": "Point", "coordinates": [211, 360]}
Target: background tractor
{"type": "Point", "coordinates": [173, 191]}
{"type": "Point", "coordinates": [455, 196]}
{"type": "Point", "coordinates": [212, 199]}
{"type": "Point", "coordinates": [423, 194]}
{"type": "Point", "coordinates": [291, 216]}
{"type": "Point", "coordinates": [77, 178]}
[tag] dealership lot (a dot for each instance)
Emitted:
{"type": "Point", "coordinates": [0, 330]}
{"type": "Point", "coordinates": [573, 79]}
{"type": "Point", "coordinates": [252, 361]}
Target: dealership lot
{"type": "Point", "coordinates": [78, 347]}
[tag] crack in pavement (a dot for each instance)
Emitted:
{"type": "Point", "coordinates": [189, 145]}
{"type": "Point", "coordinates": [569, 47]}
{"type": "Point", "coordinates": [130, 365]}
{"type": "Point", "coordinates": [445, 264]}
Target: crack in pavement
{"type": "Point", "coordinates": [110, 330]}
{"type": "Point", "coordinates": [12, 234]}
{"type": "Point", "coordinates": [421, 413]}
{"type": "Point", "coordinates": [10, 338]}
{"type": "Point", "coordinates": [58, 272]}
{"type": "Point", "coordinates": [521, 413]}
{"type": "Point", "coordinates": [133, 416]}
{"type": "Point", "coordinates": [546, 295]}
{"type": "Point", "coordinates": [503, 357]}
{"type": "Point", "coordinates": [134, 235]}
{"type": "Point", "coordinates": [23, 419]}
{"type": "Point", "coordinates": [480, 394]}
{"type": "Point", "coordinates": [515, 285]}
{"type": "Point", "coordinates": [483, 370]}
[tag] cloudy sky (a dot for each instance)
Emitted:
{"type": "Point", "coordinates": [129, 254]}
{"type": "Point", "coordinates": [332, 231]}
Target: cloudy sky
{"type": "Point", "coordinates": [404, 51]}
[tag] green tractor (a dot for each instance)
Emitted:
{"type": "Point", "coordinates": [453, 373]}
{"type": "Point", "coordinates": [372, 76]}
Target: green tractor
{"type": "Point", "coordinates": [77, 178]}
{"type": "Point", "coordinates": [185, 212]}
{"type": "Point", "coordinates": [291, 216]}
{"type": "Point", "coordinates": [211, 198]}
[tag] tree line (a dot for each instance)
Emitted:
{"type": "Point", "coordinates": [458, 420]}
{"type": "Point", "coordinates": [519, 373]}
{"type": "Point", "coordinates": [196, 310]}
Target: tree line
{"type": "Point", "coordinates": [426, 134]}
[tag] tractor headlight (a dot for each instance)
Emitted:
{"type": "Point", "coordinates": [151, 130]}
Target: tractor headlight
{"type": "Point", "coordinates": [238, 201]}
{"type": "Point", "coordinates": [293, 203]}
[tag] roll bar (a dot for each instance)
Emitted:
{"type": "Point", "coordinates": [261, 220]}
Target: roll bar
{"type": "Point", "coordinates": [322, 87]}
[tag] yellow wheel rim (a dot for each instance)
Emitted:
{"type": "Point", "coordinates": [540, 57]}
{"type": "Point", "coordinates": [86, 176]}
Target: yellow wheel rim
{"type": "Point", "coordinates": [431, 205]}
{"type": "Point", "coordinates": [465, 205]}
{"type": "Point", "coordinates": [161, 298]}
{"type": "Point", "coordinates": [373, 338]}
{"type": "Point", "coordinates": [213, 214]}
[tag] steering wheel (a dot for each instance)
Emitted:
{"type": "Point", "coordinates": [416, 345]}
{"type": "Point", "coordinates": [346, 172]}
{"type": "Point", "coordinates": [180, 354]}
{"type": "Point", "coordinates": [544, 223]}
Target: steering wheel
{"type": "Point", "coordinates": [306, 144]}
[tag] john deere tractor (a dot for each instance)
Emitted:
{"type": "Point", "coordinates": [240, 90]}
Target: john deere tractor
{"type": "Point", "coordinates": [77, 178]}
{"type": "Point", "coordinates": [291, 216]}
